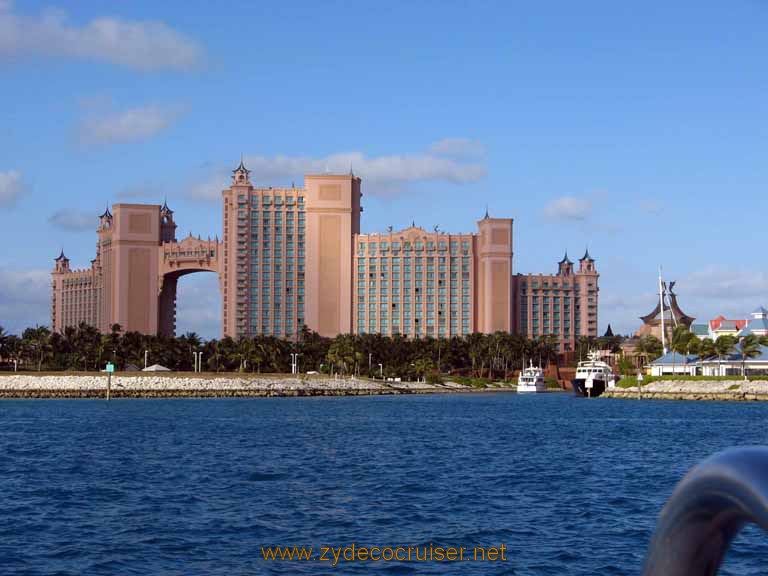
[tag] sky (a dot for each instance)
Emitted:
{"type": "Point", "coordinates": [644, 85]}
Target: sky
{"type": "Point", "coordinates": [638, 130]}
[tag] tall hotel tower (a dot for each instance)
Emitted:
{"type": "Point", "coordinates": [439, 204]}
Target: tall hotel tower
{"type": "Point", "coordinates": [291, 257]}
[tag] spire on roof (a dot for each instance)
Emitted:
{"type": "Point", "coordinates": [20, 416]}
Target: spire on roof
{"type": "Point", "coordinates": [586, 255]}
{"type": "Point", "coordinates": [165, 206]}
{"type": "Point", "coordinates": [240, 174]}
{"type": "Point", "coordinates": [351, 172]}
{"type": "Point", "coordinates": [241, 166]}
{"type": "Point", "coordinates": [107, 213]}
{"type": "Point", "coordinates": [565, 259]}
{"type": "Point", "coordinates": [486, 213]}
{"type": "Point", "coordinates": [61, 256]}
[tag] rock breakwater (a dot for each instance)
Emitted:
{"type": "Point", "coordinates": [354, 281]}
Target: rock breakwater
{"type": "Point", "coordinates": [724, 390]}
{"type": "Point", "coordinates": [153, 386]}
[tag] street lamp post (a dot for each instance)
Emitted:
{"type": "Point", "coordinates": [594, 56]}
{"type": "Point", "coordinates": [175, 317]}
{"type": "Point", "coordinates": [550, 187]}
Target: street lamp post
{"type": "Point", "coordinates": [295, 362]}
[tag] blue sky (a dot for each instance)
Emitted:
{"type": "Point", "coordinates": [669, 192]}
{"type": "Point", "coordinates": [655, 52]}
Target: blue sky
{"type": "Point", "coordinates": [639, 130]}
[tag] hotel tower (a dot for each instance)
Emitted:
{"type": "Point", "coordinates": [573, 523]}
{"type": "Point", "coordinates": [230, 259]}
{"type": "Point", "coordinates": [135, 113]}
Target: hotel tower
{"type": "Point", "coordinates": [291, 257]}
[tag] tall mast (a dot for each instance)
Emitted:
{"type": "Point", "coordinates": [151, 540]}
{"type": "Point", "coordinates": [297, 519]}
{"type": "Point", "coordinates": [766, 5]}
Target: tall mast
{"type": "Point", "coordinates": [661, 304]}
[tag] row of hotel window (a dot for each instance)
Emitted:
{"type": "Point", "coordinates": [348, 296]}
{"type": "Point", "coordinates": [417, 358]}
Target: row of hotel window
{"type": "Point", "coordinates": [418, 266]}
{"type": "Point", "coordinates": [417, 295]}
{"type": "Point", "coordinates": [374, 247]}
{"type": "Point", "coordinates": [546, 286]}
{"type": "Point", "coordinates": [267, 217]}
{"type": "Point", "coordinates": [408, 329]}
{"type": "Point", "coordinates": [242, 200]}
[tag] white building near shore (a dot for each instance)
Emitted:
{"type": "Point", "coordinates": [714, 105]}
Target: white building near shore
{"type": "Point", "coordinates": [730, 365]}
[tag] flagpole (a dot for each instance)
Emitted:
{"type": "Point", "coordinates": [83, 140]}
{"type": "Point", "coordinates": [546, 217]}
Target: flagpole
{"type": "Point", "coordinates": [661, 304]}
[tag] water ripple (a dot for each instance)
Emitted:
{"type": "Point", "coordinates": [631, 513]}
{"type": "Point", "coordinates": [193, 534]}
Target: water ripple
{"type": "Point", "coordinates": [199, 486]}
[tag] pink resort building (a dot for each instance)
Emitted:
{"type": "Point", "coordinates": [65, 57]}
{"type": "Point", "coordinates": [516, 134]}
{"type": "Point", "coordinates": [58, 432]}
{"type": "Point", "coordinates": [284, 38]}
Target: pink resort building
{"type": "Point", "coordinates": [291, 257]}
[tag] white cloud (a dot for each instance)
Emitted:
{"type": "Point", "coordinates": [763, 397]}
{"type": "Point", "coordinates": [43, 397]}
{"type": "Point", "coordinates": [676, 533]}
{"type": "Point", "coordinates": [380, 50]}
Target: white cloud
{"type": "Point", "coordinates": [25, 298]}
{"type": "Point", "coordinates": [11, 187]}
{"type": "Point", "coordinates": [623, 310]}
{"type": "Point", "coordinates": [143, 45]}
{"type": "Point", "coordinates": [733, 285]}
{"type": "Point", "coordinates": [568, 208]}
{"type": "Point", "coordinates": [73, 220]}
{"type": "Point", "coordinates": [199, 305]}
{"type": "Point", "coordinates": [382, 175]}
{"type": "Point", "coordinates": [458, 148]}
{"type": "Point", "coordinates": [129, 125]}
{"type": "Point", "coordinates": [210, 188]}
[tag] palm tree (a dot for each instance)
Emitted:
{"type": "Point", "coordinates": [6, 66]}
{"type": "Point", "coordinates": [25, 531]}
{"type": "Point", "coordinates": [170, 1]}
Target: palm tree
{"type": "Point", "coordinates": [749, 347]}
{"type": "Point", "coordinates": [681, 338]}
{"type": "Point", "coordinates": [723, 347]}
{"type": "Point", "coordinates": [650, 347]}
{"type": "Point", "coordinates": [3, 344]}
{"type": "Point", "coordinates": [422, 366]}
{"type": "Point", "coordinates": [341, 352]}
{"type": "Point", "coordinates": [37, 341]}
{"type": "Point", "coordinates": [243, 351]}
{"type": "Point", "coordinates": [705, 350]}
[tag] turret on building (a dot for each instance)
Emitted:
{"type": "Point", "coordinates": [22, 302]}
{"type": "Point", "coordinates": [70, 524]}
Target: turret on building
{"type": "Point", "coordinates": [563, 305]}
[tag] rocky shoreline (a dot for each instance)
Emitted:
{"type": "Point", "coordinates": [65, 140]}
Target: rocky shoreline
{"type": "Point", "coordinates": [721, 390]}
{"type": "Point", "coordinates": [213, 386]}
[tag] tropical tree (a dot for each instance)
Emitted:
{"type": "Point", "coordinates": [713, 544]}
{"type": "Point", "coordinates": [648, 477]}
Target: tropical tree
{"type": "Point", "coordinates": [749, 347]}
{"type": "Point", "coordinates": [422, 366]}
{"type": "Point", "coordinates": [243, 351]}
{"type": "Point", "coordinates": [706, 349]}
{"type": "Point", "coordinates": [37, 344]}
{"type": "Point", "coordinates": [650, 347]}
{"type": "Point", "coordinates": [341, 353]}
{"type": "Point", "coordinates": [681, 341]}
{"type": "Point", "coordinates": [723, 347]}
{"type": "Point", "coordinates": [3, 343]}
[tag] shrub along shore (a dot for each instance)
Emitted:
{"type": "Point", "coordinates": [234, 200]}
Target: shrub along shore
{"type": "Point", "coordinates": [180, 385]}
{"type": "Point", "coordinates": [730, 388]}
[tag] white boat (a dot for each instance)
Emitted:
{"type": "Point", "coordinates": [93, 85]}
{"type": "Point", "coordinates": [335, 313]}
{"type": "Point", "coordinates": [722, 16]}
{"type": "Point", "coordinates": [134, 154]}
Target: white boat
{"type": "Point", "coordinates": [593, 376]}
{"type": "Point", "coordinates": [531, 380]}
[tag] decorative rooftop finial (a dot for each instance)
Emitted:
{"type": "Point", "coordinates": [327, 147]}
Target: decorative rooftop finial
{"type": "Point", "coordinates": [413, 223]}
{"type": "Point", "coordinates": [486, 213]}
{"type": "Point", "coordinates": [565, 259]}
{"type": "Point", "coordinates": [586, 255]}
{"type": "Point", "coordinates": [436, 228]}
{"type": "Point", "coordinates": [389, 229]}
{"type": "Point", "coordinates": [351, 172]}
{"type": "Point", "coordinates": [107, 213]}
{"type": "Point", "coordinates": [240, 174]}
{"type": "Point", "coordinates": [61, 256]}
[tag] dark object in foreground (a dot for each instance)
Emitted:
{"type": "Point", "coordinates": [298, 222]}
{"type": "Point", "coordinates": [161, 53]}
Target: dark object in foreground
{"type": "Point", "coordinates": [705, 512]}
{"type": "Point", "coordinates": [580, 388]}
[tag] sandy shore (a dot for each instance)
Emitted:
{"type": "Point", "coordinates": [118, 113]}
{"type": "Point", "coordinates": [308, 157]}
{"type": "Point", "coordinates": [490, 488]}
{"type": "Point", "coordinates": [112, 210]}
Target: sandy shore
{"type": "Point", "coordinates": [213, 385]}
{"type": "Point", "coordinates": [734, 390]}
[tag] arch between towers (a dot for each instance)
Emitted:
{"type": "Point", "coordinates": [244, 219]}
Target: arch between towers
{"type": "Point", "coordinates": [179, 259]}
